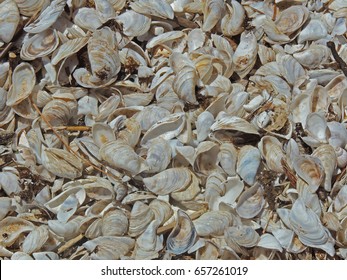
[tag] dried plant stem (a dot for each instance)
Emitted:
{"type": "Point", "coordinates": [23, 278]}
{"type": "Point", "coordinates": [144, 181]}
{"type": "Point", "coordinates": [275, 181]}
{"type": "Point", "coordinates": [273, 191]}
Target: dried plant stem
{"type": "Point", "coordinates": [72, 128]}
{"type": "Point", "coordinates": [338, 59]}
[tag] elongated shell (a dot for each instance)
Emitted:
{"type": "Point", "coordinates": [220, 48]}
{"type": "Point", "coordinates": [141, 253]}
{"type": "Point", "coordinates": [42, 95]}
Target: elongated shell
{"type": "Point", "coordinates": [309, 228]}
{"type": "Point", "coordinates": [327, 156]}
{"type": "Point", "coordinates": [232, 22]}
{"type": "Point", "coordinates": [271, 150]}
{"type": "Point", "coordinates": [158, 155]}
{"type": "Point", "coordinates": [212, 223]}
{"type": "Point", "coordinates": [140, 217]}
{"type": "Point", "coordinates": [24, 80]}
{"type": "Point", "coordinates": [183, 235]}
{"type": "Point", "coordinates": [120, 155]}
{"type": "Point", "coordinates": [47, 18]}
{"type": "Point", "coordinates": [213, 11]}
{"type": "Point", "coordinates": [248, 163]}
{"type": "Point", "coordinates": [245, 55]}
{"type": "Point", "coordinates": [251, 202]}
{"type": "Point", "coordinates": [310, 169]}
{"type": "Point", "coordinates": [168, 181]}
{"type": "Point", "coordinates": [9, 19]}
{"type": "Point", "coordinates": [153, 8]}
{"type": "Point", "coordinates": [39, 45]}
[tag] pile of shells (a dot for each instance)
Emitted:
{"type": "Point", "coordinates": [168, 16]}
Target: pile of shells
{"type": "Point", "coordinates": [173, 129]}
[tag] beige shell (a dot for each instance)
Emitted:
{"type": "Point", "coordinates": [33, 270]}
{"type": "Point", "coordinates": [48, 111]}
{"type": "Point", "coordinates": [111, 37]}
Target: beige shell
{"type": "Point", "coordinates": [120, 155]}
{"type": "Point", "coordinates": [168, 181]}
{"type": "Point", "coordinates": [61, 163]}
{"type": "Point", "coordinates": [47, 18]}
{"type": "Point", "coordinates": [39, 45]}
{"type": "Point", "coordinates": [327, 156]}
{"type": "Point", "coordinates": [24, 81]}
{"type": "Point", "coordinates": [9, 18]}
{"type": "Point", "coordinates": [232, 22]}
{"type": "Point", "coordinates": [140, 217]}
{"type": "Point", "coordinates": [213, 10]}
{"type": "Point", "coordinates": [11, 228]}
{"type": "Point", "coordinates": [246, 53]}
{"type": "Point", "coordinates": [271, 150]}
{"type": "Point", "coordinates": [212, 223]}
{"type": "Point", "coordinates": [251, 202]}
{"type": "Point", "coordinates": [243, 236]}
{"type": "Point", "coordinates": [134, 24]}
{"type": "Point", "coordinates": [153, 8]}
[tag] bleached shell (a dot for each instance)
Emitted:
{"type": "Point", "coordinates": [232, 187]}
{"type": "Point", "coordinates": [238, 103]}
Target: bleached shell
{"type": "Point", "coordinates": [338, 134]}
{"type": "Point", "coordinates": [4, 71]}
{"type": "Point", "coordinates": [24, 81]}
{"type": "Point", "coordinates": [290, 69]}
{"type": "Point", "coordinates": [140, 217]}
{"type": "Point", "coordinates": [232, 22]}
{"type": "Point", "coordinates": [203, 124]}
{"type": "Point", "coordinates": [109, 247]}
{"type": "Point", "coordinates": [131, 132]}
{"type": "Point", "coordinates": [248, 162]}
{"type": "Point", "coordinates": [210, 251]}
{"type": "Point", "coordinates": [184, 84]}
{"type": "Point", "coordinates": [61, 163]}
{"type": "Point", "coordinates": [291, 19]}
{"type": "Point", "coordinates": [164, 38]}
{"type": "Point", "coordinates": [148, 244]}
{"type": "Point", "coordinates": [162, 211]}
{"type": "Point", "coordinates": [205, 158]}
{"type": "Point", "coordinates": [150, 115]}
{"type": "Point", "coordinates": [39, 45]}
{"type": "Point", "coordinates": [268, 241]}
{"type": "Point", "coordinates": [102, 134]}
{"type": "Point", "coordinates": [56, 112]}
{"type": "Point", "coordinates": [167, 128]}
{"type": "Point", "coordinates": [212, 223]}
{"type": "Point", "coordinates": [317, 127]}
{"type": "Point", "coordinates": [313, 57]}
{"type": "Point", "coordinates": [314, 30]}
{"type": "Point", "coordinates": [9, 183]}
{"type": "Point", "coordinates": [114, 223]}
{"type": "Point", "coordinates": [310, 169]}
{"type": "Point", "coordinates": [134, 24]}
{"type": "Point", "coordinates": [153, 8]}
{"type": "Point", "coordinates": [227, 158]}
{"type": "Point", "coordinates": [213, 10]}
{"type": "Point", "coordinates": [104, 60]}
{"type": "Point", "coordinates": [327, 156]}
{"type": "Point", "coordinates": [271, 150]}
{"type": "Point", "coordinates": [340, 200]}
{"type": "Point", "coordinates": [189, 192]}
{"type": "Point", "coordinates": [11, 228]}
{"type": "Point", "coordinates": [120, 155]}
{"type": "Point", "coordinates": [95, 187]}
{"type": "Point", "coordinates": [307, 226]}
{"type": "Point", "coordinates": [5, 206]}
{"type": "Point", "coordinates": [158, 155]}
{"type": "Point", "coordinates": [87, 18]}
{"type": "Point", "coordinates": [68, 48]}
{"type": "Point", "coordinates": [45, 256]}
{"type": "Point", "coordinates": [183, 235]}
{"type": "Point", "coordinates": [29, 7]}
{"type": "Point", "coordinates": [67, 230]}
{"type": "Point", "coordinates": [168, 181]}
{"type": "Point", "coordinates": [47, 18]}
{"type": "Point", "coordinates": [245, 54]}
{"type": "Point", "coordinates": [244, 236]}
{"type": "Point", "coordinates": [251, 202]}
{"type": "Point", "coordinates": [234, 123]}
{"type": "Point", "coordinates": [35, 239]}
{"type": "Point", "coordinates": [341, 235]}
{"type": "Point", "coordinates": [9, 18]}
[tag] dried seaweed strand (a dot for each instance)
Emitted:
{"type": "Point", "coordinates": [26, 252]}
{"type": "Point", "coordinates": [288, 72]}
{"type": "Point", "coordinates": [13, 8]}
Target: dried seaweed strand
{"type": "Point", "coordinates": [337, 58]}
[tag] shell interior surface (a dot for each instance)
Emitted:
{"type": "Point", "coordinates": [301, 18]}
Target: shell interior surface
{"type": "Point", "coordinates": [173, 129]}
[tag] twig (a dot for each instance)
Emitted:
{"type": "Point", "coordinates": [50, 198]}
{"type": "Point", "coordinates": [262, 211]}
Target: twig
{"type": "Point", "coordinates": [6, 49]}
{"type": "Point", "coordinates": [72, 128]}
{"type": "Point", "coordinates": [338, 59]}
